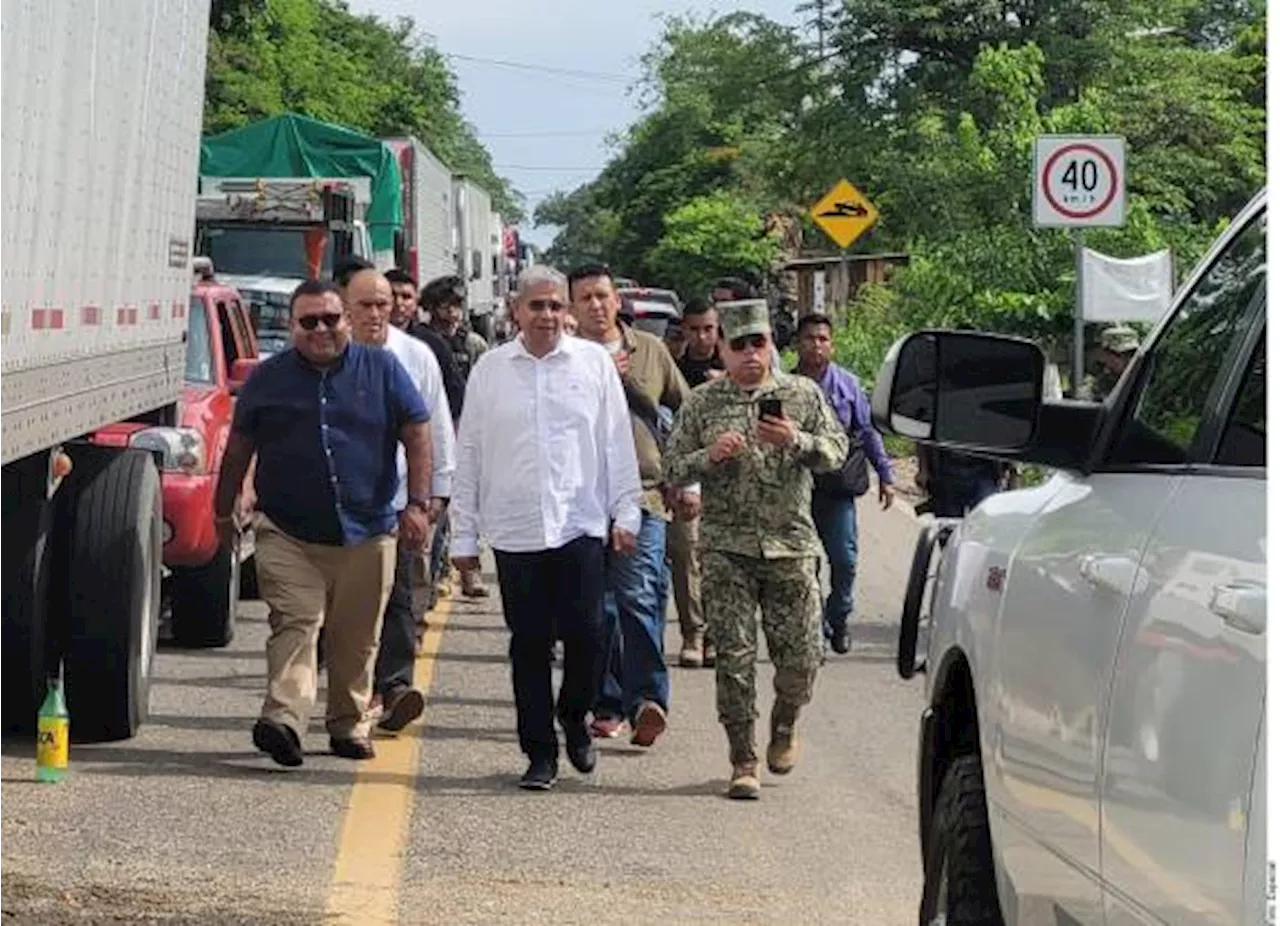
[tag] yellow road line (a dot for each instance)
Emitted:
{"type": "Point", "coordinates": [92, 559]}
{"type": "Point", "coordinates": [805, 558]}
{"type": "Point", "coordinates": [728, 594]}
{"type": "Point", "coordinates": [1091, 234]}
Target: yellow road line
{"type": "Point", "coordinates": [366, 872]}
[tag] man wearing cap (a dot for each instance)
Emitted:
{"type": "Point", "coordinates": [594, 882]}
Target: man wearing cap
{"type": "Point", "coordinates": [753, 439]}
{"type": "Point", "coordinates": [1116, 347]}
{"type": "Point", "coordinates": [443, 299]}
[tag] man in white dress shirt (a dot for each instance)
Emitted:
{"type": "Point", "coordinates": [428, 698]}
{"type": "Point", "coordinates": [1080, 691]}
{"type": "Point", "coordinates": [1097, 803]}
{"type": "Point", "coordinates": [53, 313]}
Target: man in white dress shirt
{"type": "Point", "coordinates": [547, 474]}
{"type": "Point", "coordinates": [368, 300]}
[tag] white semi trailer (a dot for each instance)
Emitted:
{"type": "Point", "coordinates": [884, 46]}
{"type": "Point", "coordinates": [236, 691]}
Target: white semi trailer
{"type": "Point", "coordinates": [430, 249]}
{"type": "Point", "coordinates": [474, 212]}
{"type": "Point", "coordinates": [102, 116]}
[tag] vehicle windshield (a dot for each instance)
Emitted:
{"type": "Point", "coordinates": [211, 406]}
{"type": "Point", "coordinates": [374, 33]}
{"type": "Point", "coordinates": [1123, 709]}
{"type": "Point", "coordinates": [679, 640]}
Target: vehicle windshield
{"type": "Point", "coordinates": [199, 348]}
{"type": "Point", "coordinates": [259, 250]}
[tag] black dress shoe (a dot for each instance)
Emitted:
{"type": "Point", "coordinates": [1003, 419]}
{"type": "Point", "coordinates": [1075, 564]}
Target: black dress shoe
{"type": "Point", "coordinates": [582, 756]}
{"type": "Point", "coordinates": [351, 748]}
{"type": "Point", "coordinates": [540, 776]}
{"type": "Point", "coordinates": [278, 741]}
{"type": "Point", "coordinates": [840, 640]}
{"type": "Point", "coordinates": [401, 708]}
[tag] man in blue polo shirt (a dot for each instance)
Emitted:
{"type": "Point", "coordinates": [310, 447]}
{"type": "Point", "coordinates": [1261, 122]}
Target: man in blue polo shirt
{"type": "Point", "coordinates": [324, 420]}
{"type": "Point", "coordinates": [835, 495]}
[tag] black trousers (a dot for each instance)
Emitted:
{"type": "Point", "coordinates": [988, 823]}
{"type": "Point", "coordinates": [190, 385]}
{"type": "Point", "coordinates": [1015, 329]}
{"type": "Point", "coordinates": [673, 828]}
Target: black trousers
{"type": "Point", "coordinates": [545, 595]}
{"type": "Point", "coordinates": [397, 647]}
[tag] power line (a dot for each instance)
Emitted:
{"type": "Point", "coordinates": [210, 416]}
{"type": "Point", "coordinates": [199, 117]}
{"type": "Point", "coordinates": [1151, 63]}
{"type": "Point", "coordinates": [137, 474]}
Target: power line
{"type": "Point", "coordinates": [582, 134]}
{"type": "Point", "coordinates": [545, 69]}
{"type": "Point", "coordinates": [580, 169]}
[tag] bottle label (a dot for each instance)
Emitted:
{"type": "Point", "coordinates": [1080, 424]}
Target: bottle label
{"type": "Point", "coordinates": [52, 742]}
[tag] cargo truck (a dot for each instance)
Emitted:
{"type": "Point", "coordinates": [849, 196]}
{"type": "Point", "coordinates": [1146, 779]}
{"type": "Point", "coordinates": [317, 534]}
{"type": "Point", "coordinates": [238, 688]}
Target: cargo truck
{"type": "Point", "coordinates": [98, 163]}
{"type": "Point", "coordinates": [429, 249]}
{"type": "Point", "coordinates": [474, 210]}
{"type": "Point", "coordinates": [267, 235]}
{"type": "Point", "coordinates": [279, 157]}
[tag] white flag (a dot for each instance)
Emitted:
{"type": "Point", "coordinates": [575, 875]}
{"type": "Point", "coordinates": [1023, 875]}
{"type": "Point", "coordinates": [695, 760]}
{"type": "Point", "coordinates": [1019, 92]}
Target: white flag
{"type": "Point", "coordinates": [1137, 289]}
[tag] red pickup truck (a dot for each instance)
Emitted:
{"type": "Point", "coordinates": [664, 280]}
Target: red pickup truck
{"type": "Point", "coordinates": [202, 584]}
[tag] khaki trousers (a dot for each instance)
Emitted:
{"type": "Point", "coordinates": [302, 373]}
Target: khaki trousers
{"type": "Point", "coordinates": [307, 585]}
{"type": "Point", "coordinates": [686, 576]}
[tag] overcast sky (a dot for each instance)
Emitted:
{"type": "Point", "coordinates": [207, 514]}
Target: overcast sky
{"type": "Point", "coordinates": [515, 110]}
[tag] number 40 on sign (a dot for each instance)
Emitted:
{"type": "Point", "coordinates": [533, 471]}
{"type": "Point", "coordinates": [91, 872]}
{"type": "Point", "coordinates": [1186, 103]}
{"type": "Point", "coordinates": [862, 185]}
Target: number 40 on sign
{"type": "Point", "coordinates": [1078, 181]}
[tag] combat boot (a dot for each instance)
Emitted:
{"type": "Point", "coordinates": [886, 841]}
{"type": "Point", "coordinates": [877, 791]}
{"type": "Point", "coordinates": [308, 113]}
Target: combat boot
{"type": "Point", "coordinates": [745, 783]}
{"type": "Point", "coordinates": [784, 744]}
{"type": "Point", "coordinates": [691, 652]}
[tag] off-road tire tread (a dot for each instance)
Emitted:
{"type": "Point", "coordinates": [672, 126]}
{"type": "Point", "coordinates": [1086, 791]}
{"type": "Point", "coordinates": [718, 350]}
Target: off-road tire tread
{"type": "Point", "coordinates": [960, 823]}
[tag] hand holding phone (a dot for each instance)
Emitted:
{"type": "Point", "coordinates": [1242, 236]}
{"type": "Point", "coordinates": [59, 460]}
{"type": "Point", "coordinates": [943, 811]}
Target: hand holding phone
{"type": "Point", "coordinates": [771, 408]}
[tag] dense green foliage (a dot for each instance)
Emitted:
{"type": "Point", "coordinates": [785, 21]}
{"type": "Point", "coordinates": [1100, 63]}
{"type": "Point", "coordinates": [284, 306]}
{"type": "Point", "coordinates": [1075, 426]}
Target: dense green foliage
{"type": "Point", "coordinates": [931, 108]}
{"type": "Point", "coordinates": [317, 58]}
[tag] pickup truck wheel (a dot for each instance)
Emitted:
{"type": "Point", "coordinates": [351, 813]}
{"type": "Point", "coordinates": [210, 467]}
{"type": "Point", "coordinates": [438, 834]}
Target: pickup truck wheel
{"type": "Point", "coordinates": [204, 602]}
{"type": "Point", "coordinates": [28, 531]}
{"type": "Point", "coordinates": [959, 883]}
{"type": "Point", "coordinates": [114, 530]}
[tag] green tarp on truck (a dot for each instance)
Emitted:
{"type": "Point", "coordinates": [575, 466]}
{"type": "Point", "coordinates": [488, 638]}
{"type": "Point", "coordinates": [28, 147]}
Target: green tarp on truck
{"type": "Point", "coordinates": [297, 146]}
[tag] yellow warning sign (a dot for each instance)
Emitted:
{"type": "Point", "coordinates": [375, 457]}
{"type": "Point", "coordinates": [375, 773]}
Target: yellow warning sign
{"type": "Point", "coordinates": [844, 214]}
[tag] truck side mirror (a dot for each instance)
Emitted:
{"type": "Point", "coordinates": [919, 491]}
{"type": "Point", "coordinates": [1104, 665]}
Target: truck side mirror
{"type": "Point", "coordinates": [962, 389]}
{"type": "Point", "coordinates": [241, 370]}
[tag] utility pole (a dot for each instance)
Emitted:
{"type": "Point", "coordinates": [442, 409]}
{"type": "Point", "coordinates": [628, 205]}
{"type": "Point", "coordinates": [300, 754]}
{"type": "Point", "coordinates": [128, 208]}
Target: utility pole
{"type": "Point", "coordinates": [820, 6]}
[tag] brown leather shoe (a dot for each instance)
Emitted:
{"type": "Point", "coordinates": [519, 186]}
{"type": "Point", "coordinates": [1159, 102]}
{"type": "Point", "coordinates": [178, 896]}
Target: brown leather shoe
{"type": "Point", "coordinates": [401, 708]}
{"type": "Point", "coordinates": [354, 748]}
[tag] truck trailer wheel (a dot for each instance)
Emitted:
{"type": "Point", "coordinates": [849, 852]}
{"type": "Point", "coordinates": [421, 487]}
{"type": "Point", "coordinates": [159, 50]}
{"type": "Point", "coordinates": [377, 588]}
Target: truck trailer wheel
{"type": "Point", "coordinates": [959, 876]}
{"type": "Point", "coordinates": [204, 600]}
{"type": "Point", "coordinates": [114, 546]}
{"type": "Point", "coordinates": [28, 536]}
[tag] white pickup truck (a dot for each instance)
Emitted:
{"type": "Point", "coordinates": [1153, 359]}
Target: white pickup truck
{"type": "Point", "coordinates": [1092, 748]}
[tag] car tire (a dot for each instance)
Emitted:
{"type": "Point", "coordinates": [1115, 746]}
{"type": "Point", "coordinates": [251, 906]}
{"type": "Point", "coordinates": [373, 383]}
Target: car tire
{"type": "Point", "coordinates": [28, 527]}
{"type": "Point", "coordinates": [959, 868]}
{"type": "Point", "coordinates": [204, 600]}
{"type": "Point", "coordinates": [113, 519]}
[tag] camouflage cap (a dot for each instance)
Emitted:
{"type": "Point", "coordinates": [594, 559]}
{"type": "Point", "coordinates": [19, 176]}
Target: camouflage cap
{"type": "Point", "coordinates": [1120, 339]}
{"type": "Point", "coordinates": [744, 317]}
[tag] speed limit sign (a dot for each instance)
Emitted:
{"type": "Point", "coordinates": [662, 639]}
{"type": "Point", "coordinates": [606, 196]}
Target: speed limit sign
{"type": "Point", "coordinates": [1078, 181]}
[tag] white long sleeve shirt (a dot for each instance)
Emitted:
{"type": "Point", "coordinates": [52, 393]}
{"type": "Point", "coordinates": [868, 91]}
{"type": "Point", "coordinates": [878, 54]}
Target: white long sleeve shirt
{"type": "Point", "coordinates": [423, 368]}
{"type": "Point", "coordinates": [545, 450]}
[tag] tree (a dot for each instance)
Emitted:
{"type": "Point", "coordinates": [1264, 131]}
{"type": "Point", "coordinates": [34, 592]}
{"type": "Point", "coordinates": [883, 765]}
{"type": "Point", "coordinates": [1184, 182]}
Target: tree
{"type": "Point", "coordinates": [315, 57]}
{"type": "Point", "coordinates": [711, 236]}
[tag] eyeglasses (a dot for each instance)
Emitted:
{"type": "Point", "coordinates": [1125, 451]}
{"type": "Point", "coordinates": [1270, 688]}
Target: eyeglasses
{"type": "Point", "coordinates": [330, 320]}
{"type": "Point", "coordinates": [545, 305]}
{"type": "Point", "coordinates": [758, 341]}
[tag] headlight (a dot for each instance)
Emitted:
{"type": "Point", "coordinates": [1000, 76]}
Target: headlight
{"type": "Point", "coordinates": [181, 450]}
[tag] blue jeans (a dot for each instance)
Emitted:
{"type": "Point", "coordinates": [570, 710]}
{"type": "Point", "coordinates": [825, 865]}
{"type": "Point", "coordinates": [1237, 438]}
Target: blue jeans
{"type": "Point", "coordinates": [635, 613]}
{"type": "Point", "coordinates": [837, 522]}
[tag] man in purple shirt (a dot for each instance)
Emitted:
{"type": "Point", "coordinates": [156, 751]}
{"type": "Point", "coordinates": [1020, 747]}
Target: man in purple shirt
{"type": "Point", "coordinates": [835, 494]}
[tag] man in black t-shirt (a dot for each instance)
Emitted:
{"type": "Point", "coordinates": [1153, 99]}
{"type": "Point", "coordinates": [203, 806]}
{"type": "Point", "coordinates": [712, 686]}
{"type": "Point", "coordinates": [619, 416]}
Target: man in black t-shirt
{"type": "Point", "coordinates": [701, 359]}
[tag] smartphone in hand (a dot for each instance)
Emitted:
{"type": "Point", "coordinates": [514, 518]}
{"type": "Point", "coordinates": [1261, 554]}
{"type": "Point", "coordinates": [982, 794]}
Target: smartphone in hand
{"type": "Point", "coordinates": [771, 407]}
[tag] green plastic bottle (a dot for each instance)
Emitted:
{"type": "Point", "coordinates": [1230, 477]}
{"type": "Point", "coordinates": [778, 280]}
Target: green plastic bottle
{"type": "Point", "coordinates": [53, 735]}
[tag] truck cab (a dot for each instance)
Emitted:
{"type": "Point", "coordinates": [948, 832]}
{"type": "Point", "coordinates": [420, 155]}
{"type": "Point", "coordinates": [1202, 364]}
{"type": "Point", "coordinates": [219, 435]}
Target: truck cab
{"type": "Point", "coordinates": [1093, 648]}
{"type": "Point", "coordinates": [202, 579]}
{"type": "Point", "coordinates": [267, 235]}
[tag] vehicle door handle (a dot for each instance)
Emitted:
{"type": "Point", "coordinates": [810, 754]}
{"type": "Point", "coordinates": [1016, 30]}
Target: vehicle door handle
{"type": "Point", "coordinates": [1114, 573]}
{"type": "Point", "coordinates": [1242, 605]}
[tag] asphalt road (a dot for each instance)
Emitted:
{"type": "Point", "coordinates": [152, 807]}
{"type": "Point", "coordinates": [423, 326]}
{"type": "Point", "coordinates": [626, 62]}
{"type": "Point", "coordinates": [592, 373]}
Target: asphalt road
{"type": "Point", "coordinates": [187, 824]}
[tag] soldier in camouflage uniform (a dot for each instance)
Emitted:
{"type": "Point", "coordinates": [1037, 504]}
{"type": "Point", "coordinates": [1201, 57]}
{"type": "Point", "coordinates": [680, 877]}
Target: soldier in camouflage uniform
{"type": "Point", "coordinates": [1116, 347]}
{"type": "Point", "coordinates": [758, 543]}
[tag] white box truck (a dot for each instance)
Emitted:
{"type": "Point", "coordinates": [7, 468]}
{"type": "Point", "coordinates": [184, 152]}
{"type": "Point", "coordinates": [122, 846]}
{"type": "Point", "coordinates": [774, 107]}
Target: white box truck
{"type": "Point", "coordinates": [430, 246]}
{"type": "Point", "coordinates": [474, 210]}
{"type": "Point", "coordinates": [98, 163]}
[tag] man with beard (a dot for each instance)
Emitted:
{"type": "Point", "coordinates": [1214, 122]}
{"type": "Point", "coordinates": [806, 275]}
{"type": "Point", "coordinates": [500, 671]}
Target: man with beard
{"type": "Point", "coordinates": [325, 420]}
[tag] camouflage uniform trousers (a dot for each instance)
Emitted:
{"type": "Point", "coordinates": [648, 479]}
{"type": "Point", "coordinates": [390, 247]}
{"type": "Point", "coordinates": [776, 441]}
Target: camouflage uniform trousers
{"type": "Point", "coordinates": [789, 601]}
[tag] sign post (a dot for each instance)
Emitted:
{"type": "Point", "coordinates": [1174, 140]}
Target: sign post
{"type": "Point", "coordinates": [1078, 182]}
{"type": "Point", "coordinates": [845, 214]}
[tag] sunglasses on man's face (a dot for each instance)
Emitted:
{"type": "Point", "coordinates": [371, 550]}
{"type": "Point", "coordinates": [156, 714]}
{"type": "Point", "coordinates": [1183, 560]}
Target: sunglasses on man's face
{"type": "Point", "coordinates": [546, 305]}
{"type": "Point", "coordinates": [310, 322]}
{"type": "Point", "coordinates": [737, 345]}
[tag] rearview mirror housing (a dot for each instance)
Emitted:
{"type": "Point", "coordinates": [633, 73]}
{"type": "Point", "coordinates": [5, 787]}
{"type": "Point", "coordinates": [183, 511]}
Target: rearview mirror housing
{"type": "Point", "coordinates": [241, 370]}
{"type": "Point", "coordinates": [981, 393]}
